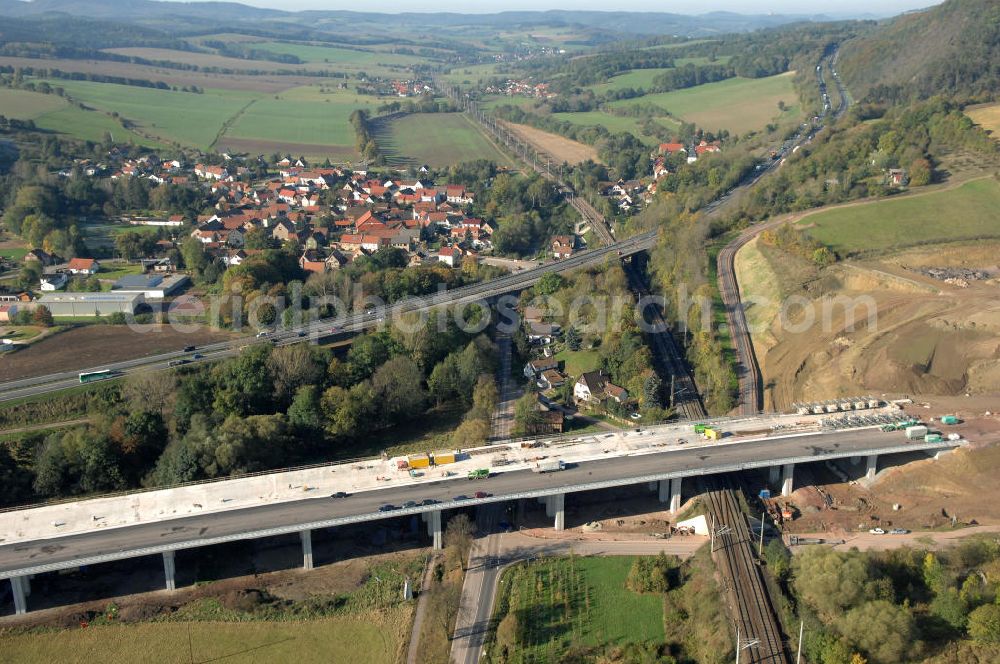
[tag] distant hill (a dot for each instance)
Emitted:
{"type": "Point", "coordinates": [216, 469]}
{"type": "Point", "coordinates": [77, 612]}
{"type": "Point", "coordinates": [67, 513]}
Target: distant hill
{"type": "Point", "coordinates": [952, 49]}
{"type": "Point", "coordinates": [154, 13]}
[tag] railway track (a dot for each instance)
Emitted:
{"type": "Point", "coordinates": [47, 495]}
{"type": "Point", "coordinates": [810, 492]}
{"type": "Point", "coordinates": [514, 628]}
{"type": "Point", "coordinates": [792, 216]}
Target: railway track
{"type": "Point", "coordinates": [759, 634]}
{"type": "Point", "coordinates": [684, 392]}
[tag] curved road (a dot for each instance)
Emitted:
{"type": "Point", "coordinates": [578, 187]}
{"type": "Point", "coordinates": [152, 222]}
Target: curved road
{"type": "Point", "coordinates": [751, 390]}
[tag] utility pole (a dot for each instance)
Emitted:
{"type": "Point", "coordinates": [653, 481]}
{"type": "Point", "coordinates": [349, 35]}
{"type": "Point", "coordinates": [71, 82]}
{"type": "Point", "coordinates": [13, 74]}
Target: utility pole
{"type": "Point", "coordinates": [798, 655]}
{"type": "Point", "coordinates": [760, 550]}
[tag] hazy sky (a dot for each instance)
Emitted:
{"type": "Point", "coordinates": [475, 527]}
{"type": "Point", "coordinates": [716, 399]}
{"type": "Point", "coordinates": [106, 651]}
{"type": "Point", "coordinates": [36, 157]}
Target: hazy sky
{"type": "Point", "coordinates": [831, 7]}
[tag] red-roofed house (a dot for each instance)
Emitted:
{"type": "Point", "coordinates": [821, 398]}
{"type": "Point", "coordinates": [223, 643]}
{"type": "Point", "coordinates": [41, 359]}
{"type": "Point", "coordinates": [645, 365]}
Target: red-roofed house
{"type": "Point", "coordinates": [83, 266]}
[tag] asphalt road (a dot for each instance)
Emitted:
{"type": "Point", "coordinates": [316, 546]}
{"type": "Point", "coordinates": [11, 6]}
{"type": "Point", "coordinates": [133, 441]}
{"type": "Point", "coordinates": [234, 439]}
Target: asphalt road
{"type": "Point", "coordinates": [194, 531]}
{"type": "Point", "coordinates": [345, 325]}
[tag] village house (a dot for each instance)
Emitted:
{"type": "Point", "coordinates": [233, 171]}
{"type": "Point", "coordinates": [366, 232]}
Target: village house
{"type": "Point", "coordinates": [534, 368]}
{"type": "Point", "coordinates": [562, 246]}
{"type": "Point", "coordinates": [594, 387]}
{"type": "Point", "coordinates": [87, 266]}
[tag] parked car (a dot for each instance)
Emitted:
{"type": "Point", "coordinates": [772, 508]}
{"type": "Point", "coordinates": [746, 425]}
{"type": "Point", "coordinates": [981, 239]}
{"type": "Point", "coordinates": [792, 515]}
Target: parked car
{"type": "Point", "coordinates": [387, 508]}
{"type": "Point", "coordinates": [899, 531]}
{"type": "Point", "coordinates": [188, 349]}
{"type": "Point", "coordinates": [197, 356]}
{"type": "Point", "coordinates": [340, 494]}
{"type": "Point", "coordinates": [483, 494]}
{"type": "Point", "coordinates": [409, 503]}
{"type": "Point", "coordinates": [430, 501]}
{"type": "Point", "coordinates": [877, 531]}
{"type": "Point", "coordinates": [461, 496]}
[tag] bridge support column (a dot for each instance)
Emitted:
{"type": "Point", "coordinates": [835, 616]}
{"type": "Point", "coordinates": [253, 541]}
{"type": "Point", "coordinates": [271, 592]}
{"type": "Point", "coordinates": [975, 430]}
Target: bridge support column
{"type": "Point", "coordinates": [549, 506]}
{"type": "Point", "coordinates": [774, 475]}
{"type": "Point", "coordinates": [663, 491]}
{"type": "Point", "coordinates": [872, 467]}
{"type": "Point", "coordinates": [169, 570]}
{"type": "Point", "coordinates": [675, 495]}
{"type": "Point", "coordinates": [17, 586]}
{"type": "Point", "coordinates": [787, 479]}
{"type": "Point", "coordinates": [653, 487]}
{"type": "Point", "coordinates": [307, 549]}
{"type": "Point", "coordinates": [558, 503]}
{"type": "Point", "coordinates": [434, 528]}
{"type": "Point", "coordinates": [855, 460]}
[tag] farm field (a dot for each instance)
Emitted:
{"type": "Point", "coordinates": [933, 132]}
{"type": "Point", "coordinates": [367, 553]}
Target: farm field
{"type": "Point", "coordinates": [317, 124]}
{"type": "Point", "coordinates": [575, 601]}
{"type": "Point", "coordinates": [504, 100]}
{"type": "Point", "coordinates": [636, 78]}
{"type": "Point", "coordinates": [615, 123]}
{"type": "Point", "coordinates": [54, 113]}
{"type": "Point", "coordinates": [738, 104]}
{"type": "Point", "coordinates": [340, 639]}
{"type": "Point", "coordinates": [27, 105]}
{"type": "Point", "coordinates": [205, 59]}
{"type": "Point", "coordinates": [969, 211]}
{"type": "Point", "coordinates": [343, 58]}
{"type": "Point", "coordinates": [436, 139]}
{"type": "Point", "coordinates": [561, 148]}
{"type": "Point", "coordinates": [471, 74]}
{"type": "Point", "coordinates": [182, 117]}
{"type": "Point", "coordinates": [174, 77]}
{"type": "Point", "coordinates": [987, 116]}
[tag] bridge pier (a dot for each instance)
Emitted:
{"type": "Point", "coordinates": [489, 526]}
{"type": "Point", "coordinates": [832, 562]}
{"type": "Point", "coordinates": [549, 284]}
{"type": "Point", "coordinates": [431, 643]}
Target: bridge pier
{"type": "Point", "coordinates": [434, 529]}
{"type": "Point", "coordinates": [872, 467]}
{"type": "Point", "coordinates": [663, 491]}
{"type": "Point", "coordinates": [169, 570]}
{"type": "Point", "coordinates": [774, 475]}
{"type": "Point", "coordinates": [307, 549]}
{"type": "Point", "coordinates": [675, 495]}
{"type": "Point", "coordinates": [787, 479]}
{"type": "Point", "coordinates": [558, 508]}
{"type": "Point", "coordinates": [18, 588]}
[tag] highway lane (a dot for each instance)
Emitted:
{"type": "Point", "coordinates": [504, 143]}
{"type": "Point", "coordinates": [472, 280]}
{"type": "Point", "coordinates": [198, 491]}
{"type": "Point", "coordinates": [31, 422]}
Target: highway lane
{"type": "Point", "coordinates": [349, 324]}
{"type": "Point", "coordinates": [291, 516]}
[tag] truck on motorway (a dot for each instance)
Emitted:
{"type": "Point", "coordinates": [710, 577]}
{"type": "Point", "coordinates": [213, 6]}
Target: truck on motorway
{"type": "Point", "coordinates": [549, 466]}
{"type": "Point", "coordinates": [916, 432]}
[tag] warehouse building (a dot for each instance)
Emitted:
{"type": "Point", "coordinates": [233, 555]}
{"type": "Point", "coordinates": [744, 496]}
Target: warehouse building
{"type": "Point", "coordinates": [91, 304]}
{"type": "Point", "coordinates": [151, 286]}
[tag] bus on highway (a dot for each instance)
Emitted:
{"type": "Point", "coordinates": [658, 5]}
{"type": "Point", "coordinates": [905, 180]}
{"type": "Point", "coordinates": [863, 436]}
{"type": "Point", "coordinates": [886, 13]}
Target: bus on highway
{"type": "Point", "coordinates": [91, 376]}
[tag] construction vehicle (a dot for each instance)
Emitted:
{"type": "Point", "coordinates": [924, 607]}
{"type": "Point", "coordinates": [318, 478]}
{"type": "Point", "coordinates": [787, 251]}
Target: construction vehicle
{"type": "Point", "coordinates": [479, 474]}
{"type": "Point", "coordinates": [916, 432]}
{"type": "Point", "coordinates": [419, 461]}
{"type": "Point", "coordinates": [700, 428]}
{"type": "Point", "coordinates": [932, 437]}
{"type": "Point", "coordinates": [949, 419]}
{"type": "Point", "coordinates": [713, 434]}
{"type": "Point", "coordinates": [549, 466]}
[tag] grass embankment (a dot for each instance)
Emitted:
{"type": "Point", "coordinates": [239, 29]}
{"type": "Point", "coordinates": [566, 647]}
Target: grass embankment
{"type": "Point", "coordinates": [967, 212]}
